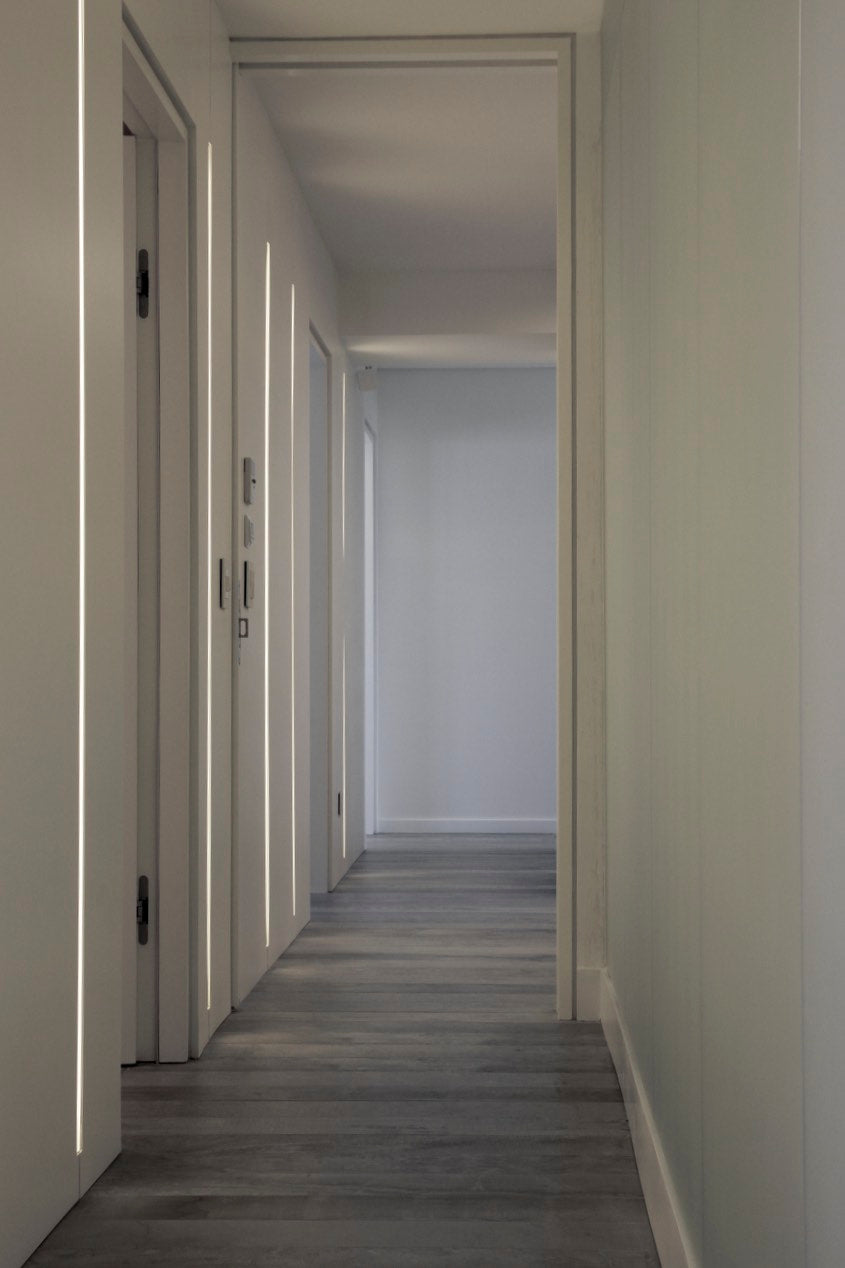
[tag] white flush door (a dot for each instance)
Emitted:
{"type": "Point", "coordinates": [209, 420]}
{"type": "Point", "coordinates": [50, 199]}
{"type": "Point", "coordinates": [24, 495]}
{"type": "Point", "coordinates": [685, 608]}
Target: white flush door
{"type": "Point", "coordinates": [141, 749]}
{"type": "Point", "coordinates": [130, 772]}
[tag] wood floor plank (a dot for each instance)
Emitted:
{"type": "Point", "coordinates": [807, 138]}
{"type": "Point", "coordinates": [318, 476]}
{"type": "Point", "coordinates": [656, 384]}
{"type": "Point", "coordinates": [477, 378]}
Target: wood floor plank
{"type": "Point", "coordinates": [396, 1091]}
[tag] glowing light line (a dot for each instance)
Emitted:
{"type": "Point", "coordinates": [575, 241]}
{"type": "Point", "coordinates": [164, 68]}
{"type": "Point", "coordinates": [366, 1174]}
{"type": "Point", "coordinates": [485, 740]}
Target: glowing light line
{"type": "Point", "coordinates": [343, 470]}
{"type": "Point", "coordinates": [292, 599]}
{"type": "Point", "coordinates": [267, 596]}
{"type": "Point", "coordinates": [80, 917]}
{"type": "Point", "coordinates": [343, 663]}
{"type": "Point", "coordinates": [208, 692]}
{"type": "Point", "coordinates": [343, 747]}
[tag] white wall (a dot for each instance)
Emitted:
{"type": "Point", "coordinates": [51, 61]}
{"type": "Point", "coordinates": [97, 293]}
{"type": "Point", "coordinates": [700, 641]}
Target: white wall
{"type": "Point", "coordinates": [40, 338]}
{"type": "Point", "coordinates": [42, 1174]}
{"type": "Point", "coordinates": [466, 531]}
{"type": "Point", "coordinates": [270, 208]}
{"type": "Point", "coordinates": [703, 792]}
{"type": "Point", "coordinates": [823, 621]}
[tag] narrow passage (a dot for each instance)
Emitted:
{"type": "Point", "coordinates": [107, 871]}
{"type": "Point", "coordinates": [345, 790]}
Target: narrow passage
{"type": "Point", "coordinates": [396, 1091]}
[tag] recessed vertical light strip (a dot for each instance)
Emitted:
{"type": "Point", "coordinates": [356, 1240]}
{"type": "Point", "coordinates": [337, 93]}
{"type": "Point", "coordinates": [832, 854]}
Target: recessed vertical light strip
{"type": "Point", "coordinates": [80, 897]}
{"type": "Point", "coordinates": [267, 596]}
{"type": "Point", "coordinates": [343, 661]}
{"type": "Point", "coordinates": [209, 573]}
{"type": "Point", "coordinates": [292, 601]}
{"type": "Point", "coordinates": [343, 470]}
{"type": "Point", "coordinates": [343, 748]}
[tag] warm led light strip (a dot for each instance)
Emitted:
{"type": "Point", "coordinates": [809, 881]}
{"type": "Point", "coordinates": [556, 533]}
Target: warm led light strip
{"type": "Point", "coordinates": [343, 747]}
{"type": "Point", "coordinates": [267, 596]}
{"type": "Point", "coordinates": [80, 909]}
{"type": "Point", "coordinates": [343, 470]}
{"type": "Point", "coordinates": [208, 618]}
{"type": "Point", "coordinates": [343, 662]}
{"type": "Point", "coordinates": [292, 603]}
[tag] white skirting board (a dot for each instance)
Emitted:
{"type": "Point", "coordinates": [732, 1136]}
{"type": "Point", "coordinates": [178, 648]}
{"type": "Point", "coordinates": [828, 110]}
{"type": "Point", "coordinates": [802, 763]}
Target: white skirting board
{"type": "Point", "coordinates": [488, 827]}
{"type": "Point", "coordinates": [673, 1242]}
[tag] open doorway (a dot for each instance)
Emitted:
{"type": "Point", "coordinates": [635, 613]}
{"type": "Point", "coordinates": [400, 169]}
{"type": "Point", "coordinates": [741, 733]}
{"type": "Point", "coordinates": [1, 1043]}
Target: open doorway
{"type": "Point", "coordinates": [453, 243]}
{"type": "Point", "coordinates": [157, 525]}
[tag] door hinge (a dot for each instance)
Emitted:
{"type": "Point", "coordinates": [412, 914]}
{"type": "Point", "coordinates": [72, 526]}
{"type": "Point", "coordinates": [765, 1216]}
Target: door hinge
{"type": "Point", "coordinates": [142, 910]}
{"type": "Point", "coordinates": [142, 284]}
{"type": "Point", "coordinates": [340, 803]}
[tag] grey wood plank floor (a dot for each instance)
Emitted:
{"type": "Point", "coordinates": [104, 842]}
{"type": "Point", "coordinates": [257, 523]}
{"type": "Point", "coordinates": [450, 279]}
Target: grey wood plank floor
{"type": "Point", "coordinates": [396, 1091]}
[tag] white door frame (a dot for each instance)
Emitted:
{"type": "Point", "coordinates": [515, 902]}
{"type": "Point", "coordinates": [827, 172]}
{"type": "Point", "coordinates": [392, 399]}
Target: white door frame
{"type": "Point", "coordinates": [153, 114]}
{"type": "Point", "coordinates": [559, 52]}
{"type": "Point", "coordinates": [316, 339]}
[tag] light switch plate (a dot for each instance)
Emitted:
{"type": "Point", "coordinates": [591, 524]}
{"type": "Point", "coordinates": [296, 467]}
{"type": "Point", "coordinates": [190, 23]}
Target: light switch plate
{"type": "Point", "coordinates": [225, 579]}
{"type": "Point", "coordinates": [249, 480]}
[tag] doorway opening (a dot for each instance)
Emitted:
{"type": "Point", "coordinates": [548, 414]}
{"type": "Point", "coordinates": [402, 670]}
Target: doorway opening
{"type": "Point", "coordinates": [450, 297]}
{"type": "Point", "coordinates": [158, 534]}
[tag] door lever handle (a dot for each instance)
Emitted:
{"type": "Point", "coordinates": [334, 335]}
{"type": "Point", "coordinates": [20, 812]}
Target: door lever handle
{"type": "Point", "coordinates": [142, 910]}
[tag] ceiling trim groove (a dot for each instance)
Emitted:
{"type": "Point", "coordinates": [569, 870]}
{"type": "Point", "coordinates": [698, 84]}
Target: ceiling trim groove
{"type": "Point", "coordinates": [397, 39]}
{"type": "Point", "coordinates": [408, 64]}
{"type": "Point", "coordinates": [406, 51]}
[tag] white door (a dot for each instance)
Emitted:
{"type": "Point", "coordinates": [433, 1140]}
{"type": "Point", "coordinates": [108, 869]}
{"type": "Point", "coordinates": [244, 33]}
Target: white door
{"type": "Point", "coordinates": [130, 747]}
{"type": "Point", "coordinates": [140, 988]}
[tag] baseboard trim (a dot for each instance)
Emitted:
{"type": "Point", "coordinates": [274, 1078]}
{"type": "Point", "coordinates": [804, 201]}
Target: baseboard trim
{"type": "Point", "coordinates": [674, 1245]}
{"type": "Point", "coordinates": [588, 994]}
{"type": "Point", "coordinates": [491, 827]}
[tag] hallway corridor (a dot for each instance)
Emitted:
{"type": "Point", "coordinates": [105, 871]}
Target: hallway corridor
{"type": "Point", "coordinates": [396, 1091]}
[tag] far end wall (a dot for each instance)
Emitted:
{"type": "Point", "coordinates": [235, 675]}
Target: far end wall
{"type": "Point", "coordinates": [466, 526]}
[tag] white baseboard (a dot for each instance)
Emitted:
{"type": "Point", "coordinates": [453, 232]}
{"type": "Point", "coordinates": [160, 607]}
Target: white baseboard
{"type": "Point", "coordinates": [588, 994]}
{"type": "Point", "coordinates": [674, 1245]}
{"type": "Point", "coordinates": [487, 827]}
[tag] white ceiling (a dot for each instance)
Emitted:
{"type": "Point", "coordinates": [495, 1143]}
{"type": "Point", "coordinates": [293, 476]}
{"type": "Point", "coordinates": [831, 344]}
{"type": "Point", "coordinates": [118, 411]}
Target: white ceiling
{"type": "Point", "coordinates": [321, 19]}
{"type": "Point", "coordinates": [416, 169]}
{"type": "Point", "coordinates": [423, 169]}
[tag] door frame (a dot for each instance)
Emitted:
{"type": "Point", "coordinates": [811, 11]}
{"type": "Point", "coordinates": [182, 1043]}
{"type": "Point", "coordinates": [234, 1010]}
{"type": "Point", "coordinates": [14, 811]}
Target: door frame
{"type": "Point", "coordinates": [557, 51]}
{"type": "Point", "coordinates": [371, 698]}
{"type": "Point", "coordinates": [316, 339]}
{"type": "Point", "coordinates": [149, 109]}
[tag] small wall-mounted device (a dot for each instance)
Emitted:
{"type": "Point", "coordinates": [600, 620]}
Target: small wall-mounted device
{"type": "Point", "coordinates": [249, 583]}
{"type": "Point", "coordinates": [249, 480]}
{"type": "Point", "coordinates": [142, 910]}
{"type": "Point", "coordinates": [367, 379]}
{"type": "Point", "coordinates": [225, 577]}
{"type": "Point", "coordinates": [249, 531]}
{"type": "Point", "coordinates": [142, 283]}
